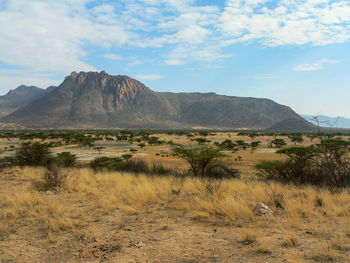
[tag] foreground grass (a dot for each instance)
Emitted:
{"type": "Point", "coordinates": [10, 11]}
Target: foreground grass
{"type": "Point", "coordinates": [310, 224]}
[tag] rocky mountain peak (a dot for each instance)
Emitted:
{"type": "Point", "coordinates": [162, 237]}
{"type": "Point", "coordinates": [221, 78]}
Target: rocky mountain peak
{"type": "Point", "coordinates": [23, 90]}
{"type": "Point", "coordinates": [122, 88]}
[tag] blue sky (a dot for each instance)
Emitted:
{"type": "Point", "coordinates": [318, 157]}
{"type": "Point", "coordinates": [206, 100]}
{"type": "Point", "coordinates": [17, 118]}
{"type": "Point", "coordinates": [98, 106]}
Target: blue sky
{"type": "Point", "coordinates": [296, 52]}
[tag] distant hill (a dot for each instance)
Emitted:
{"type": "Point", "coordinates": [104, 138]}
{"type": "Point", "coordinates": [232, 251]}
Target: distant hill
{"type": "Point", "coordinates": [326, 121]}
{"type": "Point", "coordinates": [99, 100]}
{"type": "Point", "coordinates": [293, 125]}
{"type": "Point", "coordinates": [18, 97]}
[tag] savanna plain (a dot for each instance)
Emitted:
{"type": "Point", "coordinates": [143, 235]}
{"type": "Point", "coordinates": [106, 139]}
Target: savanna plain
{"type": "Point", "coordinates": [95, 213]}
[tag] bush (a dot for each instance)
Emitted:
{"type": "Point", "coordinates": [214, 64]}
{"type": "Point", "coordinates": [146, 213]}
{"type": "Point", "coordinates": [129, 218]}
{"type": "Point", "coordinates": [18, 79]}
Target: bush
{"type": "Point", "coordinates": [327, 165]}
{"type": "Point", "coordinates": [135, 166]}
{"type": "Point", "coordinates": [159, 169]}
{"type": "Point", "coordinates": [199, 158]}
{"type": "Point", "coordinates": [7, 161]}
{"type": "Point", "coordinates": [279, 143]}
{"type": "Point", "coordinates": [53, 178]}
{"type": "Point", "coordinates": [65, 159]}
{"type": "Point", "coordinates": [221, 171]}
{"type": "Point", "coordinates": [33, 154]}
{"type": "Point", "coordinates": [333, 162]}
{"type": "Point", "coordinates": [105, 163]}
{"type": "Point", "coordinates": [273, 170]}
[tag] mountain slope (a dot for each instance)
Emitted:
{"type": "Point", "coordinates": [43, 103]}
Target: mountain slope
{"type": "Point", "coordinates": [99, 100]}
{"type": "Point", "coordinates": [212, 110]}
{"type": "Point", "coordinates": [293, 125]}
{"type": "Point", "coordinates": [18, 97]}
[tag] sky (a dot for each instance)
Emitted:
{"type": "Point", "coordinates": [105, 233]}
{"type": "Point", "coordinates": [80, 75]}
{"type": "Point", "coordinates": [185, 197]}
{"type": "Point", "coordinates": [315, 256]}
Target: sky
{"type": "Point", "coordinates": [296, 52]}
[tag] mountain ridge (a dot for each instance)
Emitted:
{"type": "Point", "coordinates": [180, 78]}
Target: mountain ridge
{"type": "Point", "coordinates": [100, 100]}
{"type": "Point", "coordinates": [18, 97]}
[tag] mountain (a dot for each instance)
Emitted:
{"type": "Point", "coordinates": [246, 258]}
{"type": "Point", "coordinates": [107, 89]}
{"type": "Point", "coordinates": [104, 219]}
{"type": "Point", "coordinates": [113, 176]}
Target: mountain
{"type": "Point", "coordinates": [293, 125]}
{"type": "Point", "coordinates": [18, 97]}
{"type": "Point", "coordinates": [99, 100]}
{"type": "Point", "coordinates": [326, 121]}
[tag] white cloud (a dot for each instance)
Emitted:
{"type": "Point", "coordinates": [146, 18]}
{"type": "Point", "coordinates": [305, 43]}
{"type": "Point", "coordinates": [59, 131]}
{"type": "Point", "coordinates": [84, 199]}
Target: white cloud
{"type": "Point", "coordinates": [149, 76]}
{"type": "Point", "coordinates": [57, 36]}
{"type": "Point", "coordinates": [50, 35]}
{"type": "Point", "coordinates": [315, 22]}
{"type": "Point", "coordinates": [174, 62]}
{"type": "Point", "coordinates": [114, 57]}
{"type": "Point", "coordinates": [318, 65]}
{"type": "Point", "coordinates": [11, 79]}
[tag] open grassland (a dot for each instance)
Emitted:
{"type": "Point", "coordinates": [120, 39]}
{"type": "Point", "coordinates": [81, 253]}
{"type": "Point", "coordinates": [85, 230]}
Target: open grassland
{"type": "Point", "coordinates": [115, 217]}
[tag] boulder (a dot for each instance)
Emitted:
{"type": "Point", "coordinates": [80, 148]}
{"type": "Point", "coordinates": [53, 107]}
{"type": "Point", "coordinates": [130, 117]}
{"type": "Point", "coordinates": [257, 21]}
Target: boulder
{"type": "Point", "coordinates": [262, 209]}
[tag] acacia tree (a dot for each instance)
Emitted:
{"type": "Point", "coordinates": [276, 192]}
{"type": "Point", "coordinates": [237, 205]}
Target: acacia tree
{"type": "Point", "coordinates": [198, 157]}
{"type": "Point", "coordinates": [254, 145]}
{"type": "Point", "coordinates": [252, 135]}
{"type": "Point", "coordinates": [279, 143]}
{"type": "Point", "coordinates": [33, 154]}
{"type": "Point", "coordinates": [201, 141]}
{"type": "Point", "coordinates": [297, 139]}
{"type": "Point", "coordinates": [334, 164]}
{"type": "Point", "coordinates": [298, 168]}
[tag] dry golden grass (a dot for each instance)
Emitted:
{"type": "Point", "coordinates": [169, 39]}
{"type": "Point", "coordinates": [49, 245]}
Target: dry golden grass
{"type": "Point", "coordinates": [306, 217]}
{"type": "Point", "coordinates": [206, 221]}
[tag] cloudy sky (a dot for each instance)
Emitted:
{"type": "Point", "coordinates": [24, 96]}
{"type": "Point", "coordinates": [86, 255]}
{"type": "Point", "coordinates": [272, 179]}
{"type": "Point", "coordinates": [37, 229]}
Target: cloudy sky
{"type": "Point", "coordinates": [296, 52]}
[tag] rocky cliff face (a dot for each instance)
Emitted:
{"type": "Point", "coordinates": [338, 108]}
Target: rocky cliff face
{"type": "Point", "coordinates": [113, 91]}
{"type": "Point", "coordinates": [99, 100]}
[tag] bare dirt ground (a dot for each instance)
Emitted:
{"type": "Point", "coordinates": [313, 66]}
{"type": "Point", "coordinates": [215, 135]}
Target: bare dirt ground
{"type": "Point", "coordinates": [113, 217]}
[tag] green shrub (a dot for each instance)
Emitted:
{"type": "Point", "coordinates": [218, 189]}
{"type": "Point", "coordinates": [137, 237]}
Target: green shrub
{"type": "Point", "coordinates": [33, 154]}
{"type": "Point", "coordinates": [327, 165]}
{"type": "Point", "coordinates": [105, 163]}
{"type": "Point", "coordinates": [134, 166]}
{"type": "Point", "coordinates": [199, 158]}
{"type": "Point", "coordinates": [221, 171]}
{"type": "Point", "coordinates": [7, 161]}
{"type": "Point", "coordinates": [65, 159]}
{"type": "Point", "coordinates": [279, 143]}
{"type": "Point", "coordinates": [271, 169]}
{"type": "Point", "coordinates": [159, 169]}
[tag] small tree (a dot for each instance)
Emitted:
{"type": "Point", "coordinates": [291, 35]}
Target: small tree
{"type": "Point", "coordinates": [201, 141]}
{"type": "Point", "coordinates": [87, 142]}
{"type": "Point", "coordinates": [142, 145]}
{"type": "Point", "coordinates": [311, 136]}
{"type": "Point", "coordinates": [252, 135]}
{"type": "Point", "coordinates": [279, 143]}
{"type": "Point", "coordinates": [99, 149]}
{"type": "Point", "coordinates": [227, 145]}
{"type": "Point", "coordinates": [298, 168]}
{"type": "Point", "coordinates": [334, 164]}
{"type": "Point", "coordinates": [153, 140]}
{"type": "Point", "coordinates": [199, 158]}
{"type": "Point", "coordinates": [254, 145]}
{"type": "Point", "coordinates": [33, 154]}
{"type": "Point", "coordinates": [127, 156]}
{"type": "Point", "coordinates": [242, 144]}
{"type": "Point", "coordinates": [297, 139]}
